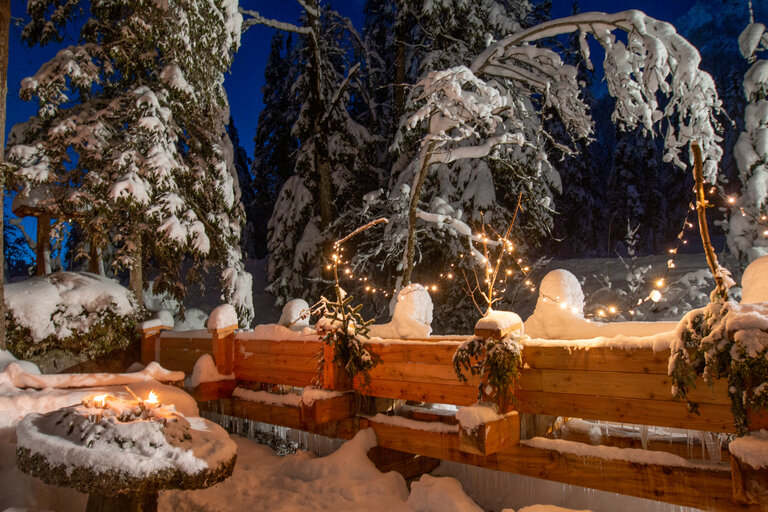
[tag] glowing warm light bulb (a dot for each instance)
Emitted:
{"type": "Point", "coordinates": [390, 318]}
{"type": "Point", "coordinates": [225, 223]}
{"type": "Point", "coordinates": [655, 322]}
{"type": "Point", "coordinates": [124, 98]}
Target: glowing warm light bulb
{"type": "Point", "coordinates": [655, 295]}
{"type": "Point", "coordinates": [731, 200]}
{"type": "Point", "coordinates": [660, 282]}
{"type": "Point", "coordinates": [434, 288]}
{"type": "Point", "coordinates": [509, 272]}
{"type": "Point", "coordinates": [450, 276]}
{"type": "Point", "coordinates": [612, 309]}
{"type": "Point", "coordinates": [152, 398]}
{"type": "Point", "coordinates": [601, 313]}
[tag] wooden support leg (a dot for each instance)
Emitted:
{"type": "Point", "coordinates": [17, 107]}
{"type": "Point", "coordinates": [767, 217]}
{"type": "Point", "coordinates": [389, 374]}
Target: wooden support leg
{"type": "Point", "coordinates": [135, 502]}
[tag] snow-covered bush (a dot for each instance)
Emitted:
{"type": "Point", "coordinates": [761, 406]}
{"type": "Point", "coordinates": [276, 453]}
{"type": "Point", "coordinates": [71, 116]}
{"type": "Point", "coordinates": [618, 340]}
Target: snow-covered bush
{"type": "Point", "coordinates": [724, 341]}
{"type": "Point", "coordinates": [74, 311]}
{"type": "Point", "coordinates": [496, 360]}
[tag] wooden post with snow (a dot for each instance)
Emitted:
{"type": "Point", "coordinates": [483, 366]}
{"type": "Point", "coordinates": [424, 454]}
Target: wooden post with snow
{"type": "Point", "coordinates": [150, 331]}
{"type": "Point", "coordinates": [222, 325]}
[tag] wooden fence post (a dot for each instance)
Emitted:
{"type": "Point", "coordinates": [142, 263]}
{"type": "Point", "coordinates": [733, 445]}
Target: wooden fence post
{"type": "Point", "coordinates": [150, 331]}
{"type": "Point", "coordinates": [223, 348]}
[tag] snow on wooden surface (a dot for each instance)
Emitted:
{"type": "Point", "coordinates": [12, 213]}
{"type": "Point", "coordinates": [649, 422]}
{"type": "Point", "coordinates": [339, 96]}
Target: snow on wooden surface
{"type": "Point", "coordinates": [222, 317]}
{"type": "Point", "coordinates": [634, 455]}
{"type": "Point", "coordinates": [476, 415]}
{"type": "Point", "coordinates": [17, 376]}
{"type": "Point", "coordinates": [205, 371]}
{"type": "Point", "coordinates": [426, 426]}
{"type": "Point", "coordinates": [412, 317]}
{"type": "Point", "coordinates": [751, 449]}
{"type": "Point", "coordinates": [499, 320]}
{"type": "Point", "coordinates": [295, 314]}
{"type": "Point", "coordinates": [264, 397]}
{"type": "Point", "coordinates": [545, 508]}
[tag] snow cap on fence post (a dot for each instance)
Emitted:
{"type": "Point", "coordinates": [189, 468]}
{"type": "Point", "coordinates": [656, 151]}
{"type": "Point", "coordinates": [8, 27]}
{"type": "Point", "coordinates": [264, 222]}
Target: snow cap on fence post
{"type": "Point", "coordinates": [222, 325]}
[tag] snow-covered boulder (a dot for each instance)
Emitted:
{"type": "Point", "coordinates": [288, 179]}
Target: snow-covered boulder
{"type": "Point", "coordinates": [295, 314]}
{"type": "Point", "coordinates": [754, 282]}
{"type": "Point", "coordinates": [412, 318]}
{"type": "Point", "coordinates": [77, 311]}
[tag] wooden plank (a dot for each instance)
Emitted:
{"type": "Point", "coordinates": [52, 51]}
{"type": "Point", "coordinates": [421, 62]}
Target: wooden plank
{"type": "Point", "coordinates": [497, 333]}
{"type": "Point", "coordinates": [330, 409]}
{"type": "Point", "coordinates": [419, 372]}
{"type": "Point", "coordinates": [690, 487]}
{"type": "Point", "coordinates": [277, 347]}
{"type": "Point", "coordinates": [181, 354]}
{"type": "Point", "coordinates": [285, 416]}
{"type": "Point", "coordinates": [214, 390]}
{"type": "Point", "coordinates": [598, 359]}
{"type": "Point", "coordinates": [459, 394]}
{"type": "Point", "coordinates": [291, 363]}
{"type": "Point", "coordinates": [618, 385]}
{"type": "Point", "coordinates": [712, 418]}
{"type": "Point", "coordinates": [273, 375]}
{"type": "Point", "coordinates": [414, 352]}
{"type": "Point", "coordinates": [490, 437]}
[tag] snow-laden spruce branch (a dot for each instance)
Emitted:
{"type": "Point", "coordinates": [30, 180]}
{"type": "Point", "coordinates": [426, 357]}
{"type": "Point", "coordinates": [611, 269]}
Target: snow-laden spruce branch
{"type": "Point", "coordinates": [655, 59]}
{"type": "Point", "coordinates": [468, 112]}
{"type": "Point", "coordinates": [258, 19]}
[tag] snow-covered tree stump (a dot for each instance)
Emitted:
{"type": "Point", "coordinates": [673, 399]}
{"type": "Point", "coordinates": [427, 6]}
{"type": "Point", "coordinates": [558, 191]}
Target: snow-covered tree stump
{"type": "Point", "coordinates": [123, 452]}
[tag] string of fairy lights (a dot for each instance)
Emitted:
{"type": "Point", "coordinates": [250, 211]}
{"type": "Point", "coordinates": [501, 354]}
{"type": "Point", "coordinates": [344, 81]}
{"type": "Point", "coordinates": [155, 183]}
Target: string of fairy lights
{"type": "Point", "coordinates": [497, 267]}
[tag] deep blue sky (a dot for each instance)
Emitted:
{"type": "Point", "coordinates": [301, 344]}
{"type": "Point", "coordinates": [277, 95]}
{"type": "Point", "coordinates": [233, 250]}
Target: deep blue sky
{"type": "Point", "coordinates": [244, 82]}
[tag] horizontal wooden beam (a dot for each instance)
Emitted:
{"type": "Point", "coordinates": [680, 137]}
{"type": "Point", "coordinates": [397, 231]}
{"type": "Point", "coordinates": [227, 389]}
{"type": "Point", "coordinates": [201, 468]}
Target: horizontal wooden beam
{"type": "Point", "coordinates": [691, 487]}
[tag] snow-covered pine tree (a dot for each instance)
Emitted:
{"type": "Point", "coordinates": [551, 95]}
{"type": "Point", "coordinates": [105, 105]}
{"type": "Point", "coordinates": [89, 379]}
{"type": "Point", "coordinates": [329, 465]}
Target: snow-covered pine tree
{"type": "Point", "coordinates": [634, 194]}
{"type": "Point", "coordinates": [333, 158]}
{"type": "Point", "coordinates": [747, 230]}
{"type": "Point", "coordinates": [274, 153]}
{"type": "Point", "coordinates": [134, 117]}
{"type": "Point", "coordinates": [247, 191]}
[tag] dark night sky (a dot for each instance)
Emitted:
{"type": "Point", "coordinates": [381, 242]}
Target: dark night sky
{"type": "Point", "coordinates": [244, 82]}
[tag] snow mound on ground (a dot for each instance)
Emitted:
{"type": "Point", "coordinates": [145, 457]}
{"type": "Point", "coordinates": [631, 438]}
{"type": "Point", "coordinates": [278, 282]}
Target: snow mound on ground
{"type": "Point", "coordinates": [6, 358]}
{"type": "Point", "coordinates": [440, 494]}
{"type": "Point", "coordinates": [412, 318]}
{"type": "Point", "coordinates": [63, 303]}
{"type": "Point", "coordinates": [754, 282]}
{"type": "Point", "coordinates": [205, 371]}
{"type": "Point", "coordinates": [545, 508]}
{"type": "Point", "coordinates": [301, 482]}
{"type": "Point", "coordinates": [295, 314]}
{"type": "Point", "coordinates": [222, 317]}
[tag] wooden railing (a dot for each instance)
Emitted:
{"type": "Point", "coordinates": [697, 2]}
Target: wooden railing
{"type": "Point", "coordinates": [579, 379]}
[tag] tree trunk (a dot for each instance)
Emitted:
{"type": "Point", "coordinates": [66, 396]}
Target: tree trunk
{"type": "Point", "coordinates": [398, 92]}
{"type": "Point", "coordinates": [410, 248]}
{"type": "Point", "coordinates": [701, 210]}
{"type": "Point", "coordinates": [317, 113]}
{"type": "Point", "coordinates": [43, 245]}
{"type": "Point", "coordinates": [136, 280]}
{"type": "Point", "coordinates": [5, 28]}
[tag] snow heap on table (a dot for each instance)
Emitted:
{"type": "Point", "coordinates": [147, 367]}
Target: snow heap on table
{"type": "Point", "coordinates": [412, 318]}
{"type": "Point", "coordinates": [63, 303]}
{"type": "Point", "coordinates": [559, 314]}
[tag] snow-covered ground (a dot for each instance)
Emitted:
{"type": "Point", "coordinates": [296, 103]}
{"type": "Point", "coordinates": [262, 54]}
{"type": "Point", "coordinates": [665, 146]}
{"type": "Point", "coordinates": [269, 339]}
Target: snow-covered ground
{"type": "Point", "coordinates": [345, 480]}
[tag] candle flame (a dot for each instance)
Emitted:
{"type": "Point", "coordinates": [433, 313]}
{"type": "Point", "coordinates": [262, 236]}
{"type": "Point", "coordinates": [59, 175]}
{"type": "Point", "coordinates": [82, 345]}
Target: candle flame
{"type": "Point", "coordinates": [100, 400]}
{"type": "Point", "coordinates": [152, 398]}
